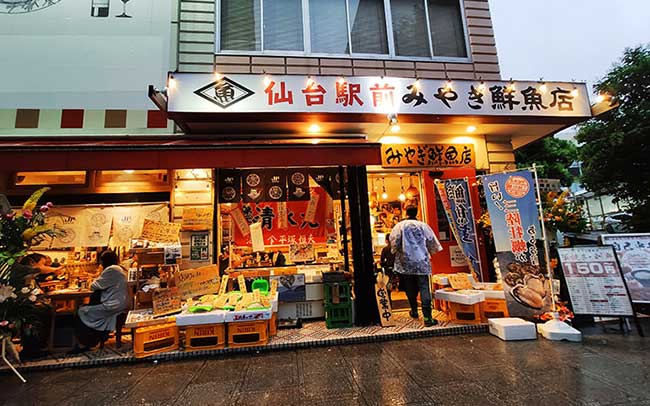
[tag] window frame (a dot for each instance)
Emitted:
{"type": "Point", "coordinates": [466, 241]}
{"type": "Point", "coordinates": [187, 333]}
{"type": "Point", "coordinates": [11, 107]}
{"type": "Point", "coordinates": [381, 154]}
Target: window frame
{"type": "Point", "coordinates": [352, 55]}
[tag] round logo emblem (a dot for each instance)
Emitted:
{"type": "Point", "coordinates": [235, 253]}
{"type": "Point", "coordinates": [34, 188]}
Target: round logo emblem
{"type": "Point", "coordinates": [275, 192]}
{"type": "Point", "coordinates": [253, 180]}
{"type": "Point", "coordinates": [228, 193]}
{"type": "Point", "coordinates": [298, 178]}
{"type": "Point", "coordinates": [24, 6]}
{"type": "Point", "coordinates": [517, 186]}
{"type": "Point", "coordinates": [98, 219]}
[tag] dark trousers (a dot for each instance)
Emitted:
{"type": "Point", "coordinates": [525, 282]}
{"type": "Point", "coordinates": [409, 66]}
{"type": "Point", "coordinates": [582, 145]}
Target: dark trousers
{"type": "Point", "coordinates": [86, 336]}
{"type": "Point", "coordinates": [414, 284]}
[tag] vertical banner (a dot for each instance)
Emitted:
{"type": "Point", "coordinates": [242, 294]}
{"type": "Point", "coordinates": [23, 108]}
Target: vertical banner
{"type": "Point", "coordinates": [515, 225]}
{"type": "Point", "coordinates": [282, 215]}
{"type": "Point", "coordinates": [454, 194]}
{"type": "Point", "coordinates": [254, 185]}
{"type": "Point", "coordinates": [633, 251]}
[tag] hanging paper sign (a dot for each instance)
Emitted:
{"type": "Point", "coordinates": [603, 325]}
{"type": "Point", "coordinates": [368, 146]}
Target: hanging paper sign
{"type": "Point", "coordinates": [383, 302]}
{"type": "Point", "coordinates": [310, 214]}
{"type": "Point", "coordinates": [298, 180]}
{"type": "Point", "coordinates": [224, 285]}
{"type": "Point", "coordinates": [159, 231]}
{"type": "Point", "coordinates": [229, 186]}
{"type": "Point", "coordinates": [515, 226]}
{"type": "Point", "coordinates": [172, 254]}
{"type": "Point", "coordinates": [199, 247]}
{"type": "Point", "coordinates": [594, 281]}
{"type": "Point", "coordinates": [427, 155]}
{"type": "Point", "coordinates": [197, 218]}
{"type": "Point", "coordinates": [282, 215]}
{"type": "Point", "coordinates": [240, 222]}
{"type": "Point", "coordinates": [166, 301]}
{"type": "Point", "coordinates": [458, 207]}
{"type": "Point", "coordinates": [257, 237]}
{"type": "Point", "coordinates": [198, 281]}
{"type": "Point", "coordinates": [277, 186]}
{"type": "Point", "coordinates": [253, 186]}
{"type": "Point", "coordinates": [633, 251]}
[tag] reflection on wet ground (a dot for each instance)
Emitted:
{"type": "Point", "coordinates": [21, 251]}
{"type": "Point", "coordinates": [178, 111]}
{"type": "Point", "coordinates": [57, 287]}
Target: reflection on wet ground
{"type": "Point", "coordinates": [605, 369]}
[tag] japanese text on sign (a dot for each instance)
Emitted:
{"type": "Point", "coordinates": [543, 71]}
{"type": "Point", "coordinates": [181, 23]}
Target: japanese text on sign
{"type": "Point", "coordinates": [430, 155]}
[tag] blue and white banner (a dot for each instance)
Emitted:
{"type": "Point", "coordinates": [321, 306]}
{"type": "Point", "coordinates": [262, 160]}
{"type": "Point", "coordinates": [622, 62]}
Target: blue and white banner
{"type": "Point", "coordinates": [459, 213]}
{"type": "Point", "coordinates": [516, 229]}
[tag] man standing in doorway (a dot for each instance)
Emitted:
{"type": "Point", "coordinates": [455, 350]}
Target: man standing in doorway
{"type": "Point", "coordinates": [413, 242]}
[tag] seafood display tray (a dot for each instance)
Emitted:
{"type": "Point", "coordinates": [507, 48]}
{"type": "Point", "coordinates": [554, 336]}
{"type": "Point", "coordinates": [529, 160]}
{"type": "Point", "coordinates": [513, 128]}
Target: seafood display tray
{"type": "Point", "coordinates": [455, 297]}
{"type": "Point", "coordinates": [190, 319]}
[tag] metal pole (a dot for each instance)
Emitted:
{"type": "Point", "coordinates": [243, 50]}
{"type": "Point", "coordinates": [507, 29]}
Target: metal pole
{"type": "Point", "coordinates": [547, 256]}
{"type": "Point", "coordinates": [4, 358]}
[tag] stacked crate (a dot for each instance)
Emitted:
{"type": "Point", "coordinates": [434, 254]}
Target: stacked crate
{"type": "Point", "coordinates": [338, 304]}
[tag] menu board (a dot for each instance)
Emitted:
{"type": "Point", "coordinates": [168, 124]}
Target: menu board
{"type": "Point", "coordinates": [594, 281]}
{"type": "Point", "coordinates": [198, 281]}
{"type": "Point", "coordinates": [633, 251]}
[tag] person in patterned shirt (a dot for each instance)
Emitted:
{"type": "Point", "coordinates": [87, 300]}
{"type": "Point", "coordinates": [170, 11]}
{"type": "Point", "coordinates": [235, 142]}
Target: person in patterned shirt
{"type": "Point", "coordinates": [413, 242]}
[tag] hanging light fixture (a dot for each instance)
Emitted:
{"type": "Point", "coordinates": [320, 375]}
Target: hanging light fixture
{"type": "Point", "coordinates": [373, 200]}
{"type": "Point", "coordinates": [384, 195]}
{"type": "Point", "coordinates": [402, 196]}
{"type": "Point", "coordinates": [412, 192]}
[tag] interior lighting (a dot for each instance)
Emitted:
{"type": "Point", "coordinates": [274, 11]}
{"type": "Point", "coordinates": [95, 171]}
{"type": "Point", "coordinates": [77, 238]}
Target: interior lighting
{"type": "Point", "coordinates": [315, 141]}
{"type": "Point", "coordinates": [314, 129]}
{"type": "Point", "coordinates": [395, 128]}
{"type": "Point", "coordinates": [542, 87]}
{"type": "Point", "coordinates": [402, 196]}
{"type": "Point", "coordinates": [384, 195]}
{"type": "Point", "coordinates": [449, 85]}
{"type": "Point", "coordinates": [600, 98]}
{"type": "Point", "coordinates": [471, 128]}
{"type": "Point", "coordinates": [129, 171]}
{"type": "Point", "coordinates": [482, 87]}
{"type": "Point", "coordinates": [267, 80]}
{"type": "Point", "coordinates": [310, 81]}
{"type": "Point", "coordinates": [171, 82]}
{"type": "Point", "coordinates": [574, 92]}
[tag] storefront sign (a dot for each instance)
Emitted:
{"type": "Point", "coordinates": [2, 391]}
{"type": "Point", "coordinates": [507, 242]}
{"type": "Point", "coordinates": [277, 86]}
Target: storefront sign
{"type": "Point", "coordinates": [458, 207]}
{"type": "Point", "coordinates": [515, 225]}
{"type": "Point", "coordinates": [166, 301]}
{"type": "Point", "coordinates": [199, 245]}
{"type": "Point", "coordinates": [383, 301]}
{"type": "Point", "coordinates": [197, 218]}
{"type": "Point", "coordinates": [198, 281]}
{"type": "Point", "coordinates": [159, 231]}
{"type": "Point", "coordinates": [250, 93]}
{"type": "Point", "coordinates": [633, 251]}
{"type": "Point", "coordinates": [594, 281]}
{"type": "Point", "coordinates": [429, 155]}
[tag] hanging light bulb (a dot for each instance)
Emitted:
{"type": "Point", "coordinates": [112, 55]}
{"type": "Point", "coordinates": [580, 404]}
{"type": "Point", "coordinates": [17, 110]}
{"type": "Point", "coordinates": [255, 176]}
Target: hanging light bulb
{"type": "Point", "coordinates": [373, 200]}
{"type": "Point", "coordinates": [412, 191]}
{"type": "Point", "coordinates": [384, 195]}
{"type": "Point", "coordinates": [402, 196]}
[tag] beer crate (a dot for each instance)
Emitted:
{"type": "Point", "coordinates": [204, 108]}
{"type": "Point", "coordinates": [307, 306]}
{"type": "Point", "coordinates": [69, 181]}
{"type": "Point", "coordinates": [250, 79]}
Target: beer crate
{"type": "Point", "coordinates": [465, 314]}
{"type": "Point", "coordinates": [205, 337]}
{"type": "Point", "coordinates": [248, 333]}
{"type": "Point", "coordinates": [155, 340]}
{"type": "Point", "coordinates": [494, 309]}
{"type": "Point", "coordinates": [273, 325]}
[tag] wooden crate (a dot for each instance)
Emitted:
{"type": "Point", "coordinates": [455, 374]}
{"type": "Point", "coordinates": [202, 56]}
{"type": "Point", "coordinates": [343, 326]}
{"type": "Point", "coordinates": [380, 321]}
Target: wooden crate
{"type": "Point", "coordinates": [465, 314]}
{"type": "Point", "coordinates": [205, 337]}
{"type": "Point", "coordinates": [494, 309]}
{"type": "Point", "coordinates": [273, 324]}
{"type": "Point", "coordinates": [248, 334]}
{"type": "Point", "coordinates": [155, 340]}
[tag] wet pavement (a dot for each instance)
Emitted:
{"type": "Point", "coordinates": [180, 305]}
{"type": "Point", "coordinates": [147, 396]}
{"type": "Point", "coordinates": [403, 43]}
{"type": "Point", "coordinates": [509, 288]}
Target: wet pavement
{"type": "Point", "coordinates": [605, 369]}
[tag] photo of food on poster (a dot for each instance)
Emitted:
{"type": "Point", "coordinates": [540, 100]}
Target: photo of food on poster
{"type": "Point", "coordinates": [633, 251]}
{"type": "Point", "coordinates": [516, 228]}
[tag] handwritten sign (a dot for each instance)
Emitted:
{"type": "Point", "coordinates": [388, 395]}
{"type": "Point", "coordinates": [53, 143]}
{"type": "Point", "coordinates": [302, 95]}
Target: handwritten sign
{"type": "Point", "coordinates": [197, 218]}
{"type": "Point", "coordinates": [429, 155]}
{"type": "Point", "coordinates": [383, 302]}
{"type": "Point", "coordinates": [198, 281]}
{"type": "Point", "coordinates": [166, 301]}
{"type": "Point", "coordinates": [301, 253]}
{"type": "Point", "coordinates": [159, 231]}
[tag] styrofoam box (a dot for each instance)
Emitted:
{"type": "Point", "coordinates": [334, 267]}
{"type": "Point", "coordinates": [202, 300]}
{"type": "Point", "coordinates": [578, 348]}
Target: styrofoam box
{"type": "Point", "coordinates": [314, 291]}
{"type": "Point", "coordinates": [248, 315]}
{"type": "Point", "coordinates": [512, 328]}
{"type": "Point", "coordinates": [469, 298]}
{"type": "Point", "coordinates": [191, 319]}
{"type": "Point", "coordinates": [301, 310]}
{"type": "Point", "coordinates": [489, 294]}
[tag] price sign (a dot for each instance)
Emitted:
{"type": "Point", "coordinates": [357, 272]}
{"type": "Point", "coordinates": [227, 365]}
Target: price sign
{"type": "Point", "coordinates": [166, 301]}
{"type": "Point", "coordinates": [594, 280]}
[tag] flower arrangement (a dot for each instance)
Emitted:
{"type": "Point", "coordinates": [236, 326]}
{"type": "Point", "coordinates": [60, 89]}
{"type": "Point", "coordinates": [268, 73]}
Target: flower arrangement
{"type": "Point", "coordinates": [564, 314]}
{"type": "Point", "coordinates": [19, 230]}
{"type": "Point", "coordinates": [563, 215]}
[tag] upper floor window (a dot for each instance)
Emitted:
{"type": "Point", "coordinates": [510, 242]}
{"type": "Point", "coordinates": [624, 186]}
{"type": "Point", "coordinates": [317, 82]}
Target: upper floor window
{"type": "Point", "coordinates": [403, 28]}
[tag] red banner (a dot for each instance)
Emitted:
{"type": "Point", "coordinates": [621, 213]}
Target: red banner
{"type": "Point", "coordinates": [291, 225]}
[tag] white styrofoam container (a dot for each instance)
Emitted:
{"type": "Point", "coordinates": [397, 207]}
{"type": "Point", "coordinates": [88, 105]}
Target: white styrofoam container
{"type": "Point", "coordinates": [314, 291]}
{"type": "Point", "coordinates": [470, 298]}
{"type": "Point", "coordinates": [512, 328]}
{"type": "Point", "coordinates": [248, 315]}
{"type": "Point", "coordinates": [191, 319]}
{"type": "Point", "coordinates": [301, 310]}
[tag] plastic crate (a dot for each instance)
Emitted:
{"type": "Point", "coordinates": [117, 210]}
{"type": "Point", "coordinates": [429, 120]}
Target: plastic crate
{"type": "Point", "coordinates": [494, 309]}
{"type": "Point", "coordinates": [465, 314]}
{"type": "Point", "coordinates": [337, 293]}
{"type": "Point", "coordinates": [339, 316]}
{"type": "Point", "coordinates": [205, 337]}
{"type": "Point", "coordinates": [248, 333]}
{"type": "Point", "coordinates": [155, 340]}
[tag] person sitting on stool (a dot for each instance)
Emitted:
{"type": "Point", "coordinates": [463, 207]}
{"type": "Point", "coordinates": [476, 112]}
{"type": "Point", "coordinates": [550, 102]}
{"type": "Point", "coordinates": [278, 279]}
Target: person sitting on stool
{"type": "Point", "coordinates": [95, 321]}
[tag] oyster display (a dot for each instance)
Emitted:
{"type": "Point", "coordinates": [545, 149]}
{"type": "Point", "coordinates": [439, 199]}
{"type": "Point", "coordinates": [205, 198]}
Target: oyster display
{"type": "Point", "coordinates": [528, 297]}
{"type": "Point", "coordinates": [535, 283]}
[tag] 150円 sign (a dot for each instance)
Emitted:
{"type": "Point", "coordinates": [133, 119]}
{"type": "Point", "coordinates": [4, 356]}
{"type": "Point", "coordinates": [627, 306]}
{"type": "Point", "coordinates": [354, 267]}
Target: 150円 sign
{"type": "Point", "coordinates": [594, 280]}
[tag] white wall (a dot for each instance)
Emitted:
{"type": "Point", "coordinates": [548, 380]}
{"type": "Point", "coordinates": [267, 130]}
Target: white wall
{"type": "Point", "coordinates": [62, 57]}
